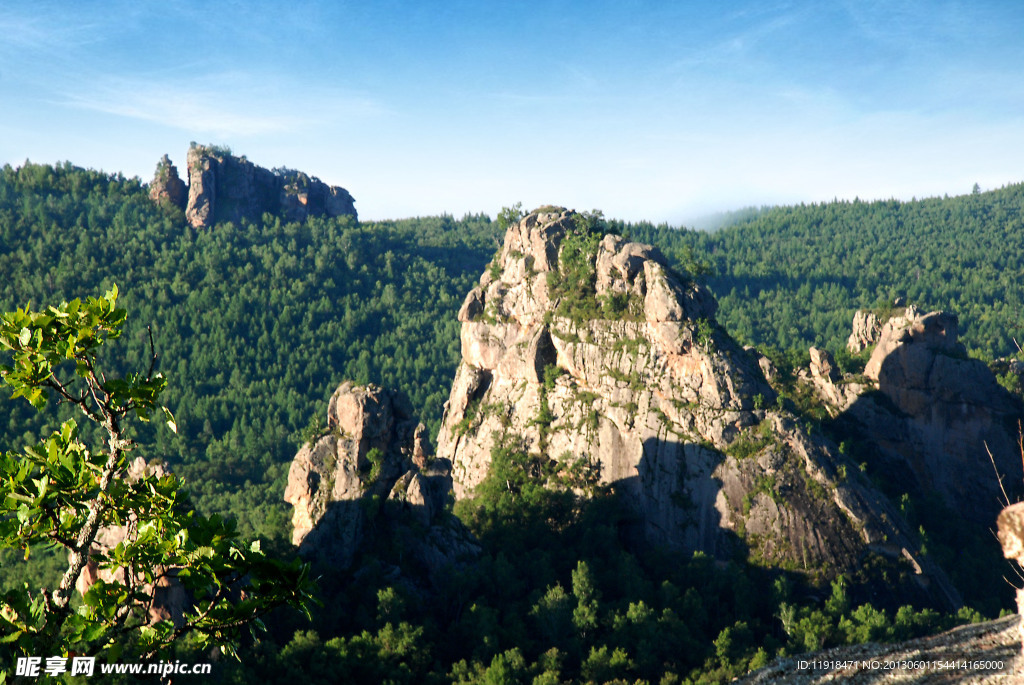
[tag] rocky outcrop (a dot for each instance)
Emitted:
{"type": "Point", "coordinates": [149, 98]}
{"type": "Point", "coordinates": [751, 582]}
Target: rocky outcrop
{"type": "Point", "coordinates": [362, 469]}
{"type": "Point", "coordinates": [1011, 537]}
{"type": "Point", "coordinates": [170, 599]}
{"type": "Point", "coordinates": [936, 414]}
{"type": "Point", "coordinates": [978, 653]}
{"type": "Point", "coordinates": [167, 187]}
{"type": "Point", "coordinates": [222, 188]}
{"type": "Point", "coordinates": [624, 369]}
{"type": "Point", "coordinates": [828, 382]}
{"type": "Point", "coordinates": [866, 330]}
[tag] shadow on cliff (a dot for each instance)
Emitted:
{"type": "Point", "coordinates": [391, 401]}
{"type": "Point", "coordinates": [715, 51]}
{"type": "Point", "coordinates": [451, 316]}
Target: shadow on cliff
{"type": "Point", "coordinates": [677, 500]}
{"type": "Point", "coordinates": [923, 438]}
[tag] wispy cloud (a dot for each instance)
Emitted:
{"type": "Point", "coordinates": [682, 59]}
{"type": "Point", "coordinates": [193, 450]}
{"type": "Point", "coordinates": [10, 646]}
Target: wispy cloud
{"type": "Point", "coordinates": [221, 105]}
{"type": "Point", "coordinates": [39, 31]}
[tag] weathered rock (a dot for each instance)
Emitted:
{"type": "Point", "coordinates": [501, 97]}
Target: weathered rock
{"type": "Point", "coordinates": [936, 331]}
{"type": "Point", "coordinates": [170, 599]}
{"type": "Point", "coordinates": [166, 186]}
{"type": "Point", "coordinates": [227, 188]}
{"type": "Point", "coordinates": [829, 385]}
{"type": "Point", "coordinates": [823, 365]}
{"type": "Point", "coordinates": [939, 414]}
{"type": "Point", "coordinates": [659, 401]}
{"type": "Point", "coordinates": [866, 330]}
{"type": "Point", "coordinates": [764, 363]}
{"type": "Point", "coordinates": [1011, 537]}
{"type": "Point", "coordinates": [424, 491]}
{"type": "Point", "coordinates": [373, 452]}
{"type": "Point", "coordinates": [330, 477]}
{"type": "Point", "coordinates": [421, 450]}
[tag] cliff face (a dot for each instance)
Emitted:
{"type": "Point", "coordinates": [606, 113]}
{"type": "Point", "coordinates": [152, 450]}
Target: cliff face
{"type": "Point", "coordinates": [626, 369]}
{"type": "Point", "coordinates": [226, 188]}
{"type": "Point", "coordinates": [371, 463]}
{"type": "Point", "coordinates": [932, 413]}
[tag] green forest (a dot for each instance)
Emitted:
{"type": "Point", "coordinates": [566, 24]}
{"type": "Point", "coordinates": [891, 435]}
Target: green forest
{"type": "Point", "coordinates": [792, 277]}
{"type": "Point", "coordinates": [256, 324]}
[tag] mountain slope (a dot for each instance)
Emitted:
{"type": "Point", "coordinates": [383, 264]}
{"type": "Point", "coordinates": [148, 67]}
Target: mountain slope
{"type": "Point", "coordinates": [792, 277]}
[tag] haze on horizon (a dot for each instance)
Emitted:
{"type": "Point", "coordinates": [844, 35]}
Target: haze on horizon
{"type": "Point", "coordinates": [653, 111]}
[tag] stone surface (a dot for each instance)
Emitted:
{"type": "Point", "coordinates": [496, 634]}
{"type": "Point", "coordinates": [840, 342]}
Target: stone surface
{"type": "Point", "coordinates": [823, 365]}
{"type": "Point", "coordinates": [828, 382]}
{"type": "Point", "coordinates": [662, 403]}
{"type": "Point", "coordinates": [222, 187]}
{"type": "Point", "coordinates": [866, 330]}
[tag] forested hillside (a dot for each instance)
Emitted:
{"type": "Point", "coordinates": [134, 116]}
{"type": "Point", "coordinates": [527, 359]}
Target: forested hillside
{"type": "Point", "coordinates": [254, 324]}
{"type": "Point", "coordinates": [791, 277]}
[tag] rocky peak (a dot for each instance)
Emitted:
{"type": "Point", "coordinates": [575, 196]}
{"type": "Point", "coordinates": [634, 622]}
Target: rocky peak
{"type": "Point", "coordinates": [363, 466]}
{"type": "Point", "coordinates": [166, 186]}
{"type": "Point", "coordinates": [583, 347]}
{"type": "Point", "coordinates": [223, 187]}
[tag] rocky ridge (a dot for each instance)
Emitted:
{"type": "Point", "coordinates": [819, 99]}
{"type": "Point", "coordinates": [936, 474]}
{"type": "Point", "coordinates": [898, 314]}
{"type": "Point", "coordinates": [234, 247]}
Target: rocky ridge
{"type": "Point", "coordinates": [222, 187]}
{"type": "Point", "coordinates": [660, 401]}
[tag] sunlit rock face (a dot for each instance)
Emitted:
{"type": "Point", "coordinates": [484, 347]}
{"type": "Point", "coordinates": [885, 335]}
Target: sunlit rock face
{"type": "Point", "coordinates": [648, 390]}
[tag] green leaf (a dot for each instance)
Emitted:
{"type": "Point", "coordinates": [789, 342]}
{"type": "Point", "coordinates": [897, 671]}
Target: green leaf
{"type": "Point", "coordinates": [25, 337]}
{"type": "Point", "coordinates": [170, 419]}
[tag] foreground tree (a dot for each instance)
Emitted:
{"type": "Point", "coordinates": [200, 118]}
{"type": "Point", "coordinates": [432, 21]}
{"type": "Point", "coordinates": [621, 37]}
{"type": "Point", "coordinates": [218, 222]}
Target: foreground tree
{"type": "Point", "coordinates": [62, 493]}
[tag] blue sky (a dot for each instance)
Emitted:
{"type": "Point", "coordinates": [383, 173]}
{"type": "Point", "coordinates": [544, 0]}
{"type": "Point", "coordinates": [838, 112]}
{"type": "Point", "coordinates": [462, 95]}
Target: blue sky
{"type": "Point", "coordinates": [647, 110]}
